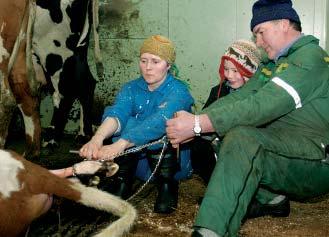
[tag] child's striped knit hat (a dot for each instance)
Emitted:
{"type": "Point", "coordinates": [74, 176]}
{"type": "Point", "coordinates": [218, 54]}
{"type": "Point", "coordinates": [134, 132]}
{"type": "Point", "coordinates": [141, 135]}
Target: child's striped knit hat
{"type": "Point", "coordinates": [244, 55]}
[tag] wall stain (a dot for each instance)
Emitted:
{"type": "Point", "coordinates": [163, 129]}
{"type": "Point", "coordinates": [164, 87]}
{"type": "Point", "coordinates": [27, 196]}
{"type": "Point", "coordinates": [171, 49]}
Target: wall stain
{"type": "Point", "coordinates": [126, 61]}
{"type": "Point", "coordinates": [117, 17]}
{"type": "Point", "coordinates": [134, 15]}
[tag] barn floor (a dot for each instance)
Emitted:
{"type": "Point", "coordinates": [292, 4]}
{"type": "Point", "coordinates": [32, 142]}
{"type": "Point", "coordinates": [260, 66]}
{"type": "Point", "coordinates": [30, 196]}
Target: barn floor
{"type": "Point", "coordinates": [68, 219]}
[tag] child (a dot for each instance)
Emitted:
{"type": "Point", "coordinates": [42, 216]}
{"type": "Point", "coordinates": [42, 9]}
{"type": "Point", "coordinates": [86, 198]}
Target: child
{"type": "Point", "coordinates": [237, 66]}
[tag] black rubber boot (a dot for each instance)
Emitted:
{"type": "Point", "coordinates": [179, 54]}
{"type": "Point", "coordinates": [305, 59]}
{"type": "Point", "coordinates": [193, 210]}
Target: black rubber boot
{"type": "Point", "coordinates": [121, 183]}
{"type": "Point", "coordinates": [166, 201]}
{"type": "Point", "coordinates": [123, 188]}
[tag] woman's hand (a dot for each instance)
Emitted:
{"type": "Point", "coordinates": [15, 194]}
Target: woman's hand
{"type": "Point", "coordinates": [109, 152]}
{"type": "Point", "coordinates": [90, 149]}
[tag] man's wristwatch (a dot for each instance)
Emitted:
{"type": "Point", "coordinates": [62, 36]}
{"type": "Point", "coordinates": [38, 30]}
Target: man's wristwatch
{"type": "Point", "coordinates": [197, 127]}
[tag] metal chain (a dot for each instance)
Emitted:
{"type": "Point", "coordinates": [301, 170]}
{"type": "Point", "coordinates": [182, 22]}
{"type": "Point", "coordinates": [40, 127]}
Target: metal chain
{"type": "Point", "coordinates": [138, 148]}
{"type": "Point", "coordinates": [165, 142]}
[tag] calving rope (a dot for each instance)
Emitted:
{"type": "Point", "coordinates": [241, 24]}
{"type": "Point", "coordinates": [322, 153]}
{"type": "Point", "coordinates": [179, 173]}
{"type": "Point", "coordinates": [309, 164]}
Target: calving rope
{"type": "Point", "coordinates": [163, 140]}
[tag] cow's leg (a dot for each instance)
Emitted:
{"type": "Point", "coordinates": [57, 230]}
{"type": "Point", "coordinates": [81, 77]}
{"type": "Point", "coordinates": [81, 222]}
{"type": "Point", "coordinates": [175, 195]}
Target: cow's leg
{"type": "Point", "coordinates": [28, 104]}
{"type": "Point", "coordinates": [86, 98]}
{"type": "Point", "coordinates": [76, 82]}
{"type": "Point", "coordinates": [67, 89]}
{"type": "Point", "coordinates": [54, 132]}
{"type": "Point", "coordinates": [60, 118]}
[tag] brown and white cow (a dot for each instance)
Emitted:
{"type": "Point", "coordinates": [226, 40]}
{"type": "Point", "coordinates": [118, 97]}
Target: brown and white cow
{"type": "Point", "coordinates": [59, 45]}
{"type": "Point", "coordinates": [15, 89]}
{"type": "Point", "coordinates": [24, 185]}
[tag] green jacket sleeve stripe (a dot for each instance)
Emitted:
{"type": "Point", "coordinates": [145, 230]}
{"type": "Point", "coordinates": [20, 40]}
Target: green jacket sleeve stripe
{"type": "Point", "coordinates": [291, 91]}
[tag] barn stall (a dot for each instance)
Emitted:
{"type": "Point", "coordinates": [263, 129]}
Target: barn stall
{"type": "Point", "coordinates": [124, 25]}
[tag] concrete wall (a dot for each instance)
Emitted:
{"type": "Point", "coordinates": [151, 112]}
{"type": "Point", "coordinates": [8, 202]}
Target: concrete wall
{"type": "Point", "coordinates": [327, 26]}
{"type": "Point", "coordinates": [201, 31]}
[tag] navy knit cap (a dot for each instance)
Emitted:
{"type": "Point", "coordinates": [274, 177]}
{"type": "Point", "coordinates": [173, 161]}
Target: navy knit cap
{"type": "Point", "coordinates": [268, 10]}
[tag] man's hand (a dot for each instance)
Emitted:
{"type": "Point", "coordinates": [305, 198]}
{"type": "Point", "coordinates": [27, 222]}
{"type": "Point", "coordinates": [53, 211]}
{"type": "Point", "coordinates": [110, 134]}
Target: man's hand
{"type": "Point", "coordinates": [180, 128]}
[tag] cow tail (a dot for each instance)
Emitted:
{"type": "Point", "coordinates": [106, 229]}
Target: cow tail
{"type": "Point", "coordinates": [95, 9]}
{"type": "Point", "coordinates": [100, 200]}
{"type": "Point", "coordinates": [34, 85]}
{"type": "Point", "coordinates": [19, 39]}
{"type": "Point", "coordinates": [97, 51]}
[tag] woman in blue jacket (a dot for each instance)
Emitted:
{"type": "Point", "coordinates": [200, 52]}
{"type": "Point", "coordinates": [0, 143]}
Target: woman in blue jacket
{"type": "Point", "coordinates": [138, 116]}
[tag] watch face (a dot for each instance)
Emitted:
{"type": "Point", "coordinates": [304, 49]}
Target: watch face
{"type": "Point", "coordinates": [197, 129]}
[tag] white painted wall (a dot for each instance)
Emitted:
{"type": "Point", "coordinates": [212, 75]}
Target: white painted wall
{"type": "Point", "coordinates": [327, 26]}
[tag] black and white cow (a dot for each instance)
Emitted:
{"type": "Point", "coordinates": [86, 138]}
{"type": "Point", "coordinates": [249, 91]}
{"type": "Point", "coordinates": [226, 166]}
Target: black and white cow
{"type": "Point", "coordinates": [57, 35]}
{"type": "Point", "coordinates": [60, 46]}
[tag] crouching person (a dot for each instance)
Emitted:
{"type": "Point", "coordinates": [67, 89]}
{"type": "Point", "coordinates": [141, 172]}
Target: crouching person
{"type": "Point", "coordinates": [138, 116]}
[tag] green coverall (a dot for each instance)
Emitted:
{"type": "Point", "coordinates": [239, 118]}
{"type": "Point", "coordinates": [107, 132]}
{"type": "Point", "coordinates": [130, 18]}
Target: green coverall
{"type": "Point", "coordinates": [276, 128]}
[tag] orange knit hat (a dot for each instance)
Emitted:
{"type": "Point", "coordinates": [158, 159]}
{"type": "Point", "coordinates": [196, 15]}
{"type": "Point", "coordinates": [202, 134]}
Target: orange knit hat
{"type": "Point", "coordinates": [160, 46]}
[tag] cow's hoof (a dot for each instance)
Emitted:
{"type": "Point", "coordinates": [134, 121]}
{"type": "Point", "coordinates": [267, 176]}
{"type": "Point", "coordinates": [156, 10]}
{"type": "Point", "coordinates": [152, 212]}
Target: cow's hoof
{"type": "Point", "coordinates": [49, 133]}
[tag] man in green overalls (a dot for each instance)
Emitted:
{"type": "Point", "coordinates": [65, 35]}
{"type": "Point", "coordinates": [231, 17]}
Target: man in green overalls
{"type": "Point", "coordinates": [275, 128]}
